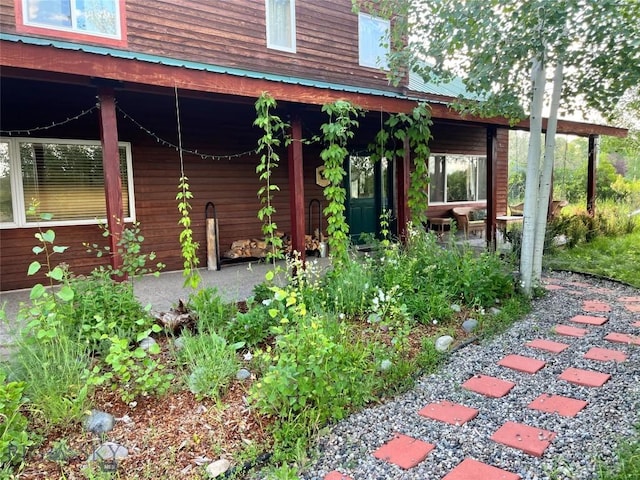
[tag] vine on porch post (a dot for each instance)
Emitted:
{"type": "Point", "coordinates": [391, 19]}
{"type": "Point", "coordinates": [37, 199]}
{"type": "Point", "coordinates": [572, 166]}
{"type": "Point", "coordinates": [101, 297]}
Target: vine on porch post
{"type": "Point", "coordinates": [274, 128]}
{"type": "Point", "coordinates": [414, 127]}
{"type": "Point", "coordinates": [337, 132]}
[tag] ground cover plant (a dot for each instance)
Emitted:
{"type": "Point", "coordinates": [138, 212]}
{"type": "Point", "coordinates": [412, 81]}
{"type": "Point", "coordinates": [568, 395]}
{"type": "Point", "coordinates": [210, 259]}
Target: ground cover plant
{"type": "Point", "coordinates": [313, 349]}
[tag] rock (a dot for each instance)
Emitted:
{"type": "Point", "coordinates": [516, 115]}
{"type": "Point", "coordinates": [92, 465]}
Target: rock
{"type": "Point", "coordinates": [456, 308]}
{"type": "Point", "coordinates": [385, 365]}
{"type": "Point", "coordinates": [243, 374]}
{"type": "Point", "coordinates": [109, 451]}
{"type": "Point", "coordinates": [218, 467]}
{"type": "Point", "coordinates": [443, 343]}
{"type": "Point", "coordinates": [99, 422]}
{"type": "Point", "coordinates": [470, 325]}
{"type": "Point", "coordinates": [147, 342]}
{"type": "Point", "coordinates": [179, 343]}
{"type": "Point", "coordinates": [495, 311]}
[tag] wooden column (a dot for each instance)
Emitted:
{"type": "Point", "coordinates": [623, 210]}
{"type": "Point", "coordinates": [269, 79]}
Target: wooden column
{"type": "Point", "coordinates": [594, 140]}
{"type": "Point", "coordinates": [111, 166]}
{"type": "Point", "coordinates": [296, 186]}
{"type": "Point", "coordinates": [402, 172]}
{"type": "Point", "coordinates": [492, 212]}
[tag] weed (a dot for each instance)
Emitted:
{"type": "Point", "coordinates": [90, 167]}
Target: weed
{"type": "Point", "coordinates": [14, 440]}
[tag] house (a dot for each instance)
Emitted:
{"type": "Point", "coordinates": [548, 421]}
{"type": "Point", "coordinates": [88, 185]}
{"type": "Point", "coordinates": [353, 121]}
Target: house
{"type": "Point", "coordinates": [97, 98]}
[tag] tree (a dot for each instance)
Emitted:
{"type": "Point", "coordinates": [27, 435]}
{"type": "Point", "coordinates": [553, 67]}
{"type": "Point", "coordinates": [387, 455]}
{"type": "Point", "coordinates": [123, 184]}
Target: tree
{"type": "Point", "coordinates": [504, 50]}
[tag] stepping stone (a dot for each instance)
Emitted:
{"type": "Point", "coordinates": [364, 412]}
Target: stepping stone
{"type": "Point", "coordinates": [595, 306]}
{"type": "Point", "coordinates": [403, 451]}
{"type": "Point", "coordinates": [522, 364]}
{"type": "Point", "coordinates": [531, 440]}
{"type": "Point", "coordinates": [632, 307]}
{"type": "Point", "coordinates": [589, 320]}
{"type": "Point", "coordinates": [629, 299]}
{"type": "Point", "coordinates": [622, 338]}
{"type": "Point", "coordinates": [470, 469]}
{"type": "Point", "coordinates": [636, 324]}
{"type": "Point", "coordinates": [605, 355]}
{"type": "Point", "coordinates": [565, 406]}
{"type": "Point", "coordinates": [602, 290]}
{"type": "Point", "coordinates": [579, 284]}
{"type": "Point", "coordinates": [449, 412]}
{"type": "Point", "coordinates": [336, 475]}
{"type": "Point", "coordinates": [552, 287]}
{"type": "Point", "coordinates": [586, 378]}
{"type": "Point", "coordinates": [488, 386]}
{"type": "Point", "coordinates": [555, 347]}
{"type": "Point", "coordinates": [569, 331]}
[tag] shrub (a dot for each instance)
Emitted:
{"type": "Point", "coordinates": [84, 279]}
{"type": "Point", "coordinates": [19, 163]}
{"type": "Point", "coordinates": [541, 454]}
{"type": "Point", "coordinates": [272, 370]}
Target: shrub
{"type": "Point", "coordinates": [211, 311]}
{"type": "Point", "coordinates": [251, 327]}
{"type": "Point", "coordinates": [211, 363]}
{"type": "Point", "coordinates": [14, 440]}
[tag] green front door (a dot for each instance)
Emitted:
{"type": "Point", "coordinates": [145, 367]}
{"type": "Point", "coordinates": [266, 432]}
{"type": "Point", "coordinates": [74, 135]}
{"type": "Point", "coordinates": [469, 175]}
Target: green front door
{"type": "Point", "coordinates": [367, 195]}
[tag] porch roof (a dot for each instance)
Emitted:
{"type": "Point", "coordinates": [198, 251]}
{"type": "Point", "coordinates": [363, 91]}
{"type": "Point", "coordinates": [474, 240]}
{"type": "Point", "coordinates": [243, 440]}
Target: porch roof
{"type": "Point", "coordinates": [439, 97]}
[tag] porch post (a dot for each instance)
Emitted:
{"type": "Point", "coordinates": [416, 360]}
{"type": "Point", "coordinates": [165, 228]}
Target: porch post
{"type": "Point", "coordinates": [492, 158]}
{"type": "Point", "coordinates": [111, 167]}
{"type": "Point", "coordinates": [403, 189]}
{"type": "Point", "coordinates": [594, 141]}
{"type": "Point", "coordinates": [296, 186]}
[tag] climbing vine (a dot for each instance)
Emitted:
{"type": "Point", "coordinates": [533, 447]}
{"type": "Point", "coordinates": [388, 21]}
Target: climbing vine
{"type": "Point", "coordinates": [274, 130]}
{"type": "Point", "coordinates": [336, 132]}
{"type": "Point", "coordinates": [188, 246]}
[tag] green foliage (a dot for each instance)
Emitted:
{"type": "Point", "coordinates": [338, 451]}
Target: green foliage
{"type": "Point", "coordinates": [129, 248]}
{"type": "Point", "coordinates": [337, 132]}
{"type": "Point", "coordinates": [132, 372]}
{"type": "Point", "coordinates": [14, 439]}
{"type": "Point", "coordinates": [251, 327]}
{"type": "Point", "coordinates": [188, 246]}
{"type": "Point", "coordinates": [348, 290]}
{"type": "Point", "coordinates": [628, 461]}
{"type": "Point", "coordinates": [616, 257]}
{"type": "Point", "coordinates": [211, 363]}
{"type": "Point", "coordinates": [273, 128]}
{"type": "Point", "coordinates": [211, 311]}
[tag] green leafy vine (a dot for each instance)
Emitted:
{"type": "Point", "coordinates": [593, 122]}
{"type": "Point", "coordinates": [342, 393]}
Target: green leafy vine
{"type": "Point", "coordinates": [274, 130]}
{"type": "Point", "coordinates": [188, 247]}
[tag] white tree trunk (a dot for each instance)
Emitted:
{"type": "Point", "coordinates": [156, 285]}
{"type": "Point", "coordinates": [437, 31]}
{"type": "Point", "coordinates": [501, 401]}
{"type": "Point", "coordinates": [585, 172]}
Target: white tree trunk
{"type": "Point", "coordinates": [533, 176]}
{"type": "Point", "coordinates": [547, 171]}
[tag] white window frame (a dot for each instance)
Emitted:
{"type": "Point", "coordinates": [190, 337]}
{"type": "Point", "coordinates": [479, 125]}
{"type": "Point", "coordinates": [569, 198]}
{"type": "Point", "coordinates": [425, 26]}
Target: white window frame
{"type": "Point", "coordinates": [366, 42]}
{"type": "Point", "coordinates": [270, 40]}
{"type": "Point", "coordinates": [17, 191]}
{"type": "Point", "coordinates": [479, 179]}
{"type": "Point", "coordinates": [74, 21]}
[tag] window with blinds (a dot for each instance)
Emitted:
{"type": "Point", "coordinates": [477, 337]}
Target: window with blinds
{"type": "Point", "coordinates": [65, 178]}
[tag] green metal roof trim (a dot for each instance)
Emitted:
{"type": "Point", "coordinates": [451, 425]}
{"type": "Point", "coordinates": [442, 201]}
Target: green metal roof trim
{"type": "Point", "coordinates": [455, 88]}
{"type": "Point", "coordinates": [172, 62]}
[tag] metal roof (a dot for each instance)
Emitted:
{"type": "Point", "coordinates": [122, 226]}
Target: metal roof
{"type": "Point", "coordinates": [454, 88]}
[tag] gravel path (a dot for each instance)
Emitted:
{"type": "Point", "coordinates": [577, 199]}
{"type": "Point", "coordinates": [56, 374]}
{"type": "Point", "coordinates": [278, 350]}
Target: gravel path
{"type": "Point", "coordinates": [595, 432]}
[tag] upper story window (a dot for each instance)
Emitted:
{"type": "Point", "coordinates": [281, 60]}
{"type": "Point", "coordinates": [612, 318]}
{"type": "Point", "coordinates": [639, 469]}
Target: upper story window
{"type": "Point", "coordinates": [373, 41]}
{"type": "Point", "coordinates": [281, 25]}
{"type": "Point", "coordinates": [96, 21]}
{"type": "Point", "coordinates": [65, 177]}
{"type": "Point", "coordinates": [457, 178]}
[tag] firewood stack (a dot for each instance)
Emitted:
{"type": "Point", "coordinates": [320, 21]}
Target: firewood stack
{"type": "Point", "coordinates": [257, 248]}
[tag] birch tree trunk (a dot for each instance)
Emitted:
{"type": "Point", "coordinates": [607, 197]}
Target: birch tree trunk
{"type": "Point", "coordinates": [533, 175]}
{"type": "Point", "coordinates": [547, 171]}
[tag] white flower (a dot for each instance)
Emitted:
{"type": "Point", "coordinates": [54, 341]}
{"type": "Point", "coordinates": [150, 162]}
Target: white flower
{"type": "Point", "coordinates": [267, 301]}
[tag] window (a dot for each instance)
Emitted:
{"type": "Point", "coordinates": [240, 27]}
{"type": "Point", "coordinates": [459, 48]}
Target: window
{"type": "Point", "coordinates": [281, 25]}
{"type": "Point", "coordinates": [66, 178]}
{"type": "Point", "coordinates": [457, 178]}
{"type": "Point", "coordinates": [373, 41]}
{"type": "Point", "coordinates": [362, 178]}
{"type": "Point", "coordinates": [100, 21]}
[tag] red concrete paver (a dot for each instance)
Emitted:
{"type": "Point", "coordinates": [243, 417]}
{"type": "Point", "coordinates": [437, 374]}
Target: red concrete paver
{"type": "Point", "coordinates": [569, 331]}
{"type": "Point", "coordinates": [586, 378]}
{"type": "Point", "coordinates": [579, 284]}
{"type": "Point", "coordinates": [555, 347]}
{"type": "Point", "coordinates": [336, 475]}
{"type": "Point", "coordinates": [636, 324]}
{"type": "Point", "coordinates": [552, 287]}
{"type": "Point", "coordinates": [522, 364]}
{"type": "Point", "coordinates": [488, 386]}
{"type": "Point", "coordinates": [404, 451]}
{"type": "Point", "coordinates": [589, 320]}
{"type": "Point", "coordinates": [565, 406]}
{"type": "Point", "coordinates": [470, 469]}
{"type": "Point", "coordinates": [531, 440]}
{"type": "Point", "coordinates": [629, 299]}
{"type": "Point", "coordinates": [622, 338]}
{"type": "Point", "coordinates": [449, 412]}
{"type": "Point", "coordinates": [595, 306]}
{"type": "Point", "coordinates": [632, 307]}
{"type": "Point", "coordinates": [605, 355]}
{"type": "Point", "coordinates": [602, 290]}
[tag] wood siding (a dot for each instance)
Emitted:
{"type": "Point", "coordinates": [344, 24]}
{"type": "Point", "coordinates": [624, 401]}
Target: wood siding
{"type": "Point", "coordinates": [233, 34]}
